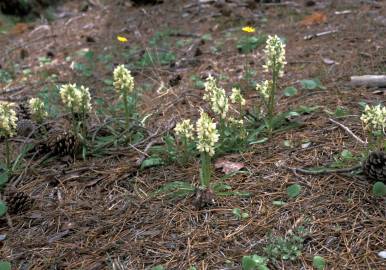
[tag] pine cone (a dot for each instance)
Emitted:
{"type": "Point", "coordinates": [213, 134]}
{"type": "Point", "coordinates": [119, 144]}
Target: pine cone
{"type": "Point", "coordinates": [25, 127]}
{"type": "Point", "coordinates": [18, 202]}
{"type": "Point", "coordinates": [204, 197]}
{"type": "Point", "coordinates": [23, 111]}
{"type": "Point", "coordinates": [374, 166]}
{"type": "Point", "coordinates": [63, 143]}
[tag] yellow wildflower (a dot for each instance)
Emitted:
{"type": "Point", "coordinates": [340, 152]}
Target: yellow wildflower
{"type": "Point", "coordinates": [249, 29]}
{"type": "Point", "coordinates": [122, 39]}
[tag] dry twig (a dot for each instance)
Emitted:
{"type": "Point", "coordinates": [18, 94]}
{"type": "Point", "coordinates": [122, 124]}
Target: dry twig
{"type": "Point", "coordinates": [348, 131]}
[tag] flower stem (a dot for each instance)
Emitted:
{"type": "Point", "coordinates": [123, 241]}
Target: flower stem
{"type": "Point", "coordinates": [185, 156]}
{"type": "Point", "coordinates": [127, 116]}
{"type": "Point", "coordinates": [271, 100]}
{"type": "Point", "coordinates": [222, 129]}
{"type": "Point", "coordinates": [205, 170]}
{"type": "Point", "coordinates": [8, 156]}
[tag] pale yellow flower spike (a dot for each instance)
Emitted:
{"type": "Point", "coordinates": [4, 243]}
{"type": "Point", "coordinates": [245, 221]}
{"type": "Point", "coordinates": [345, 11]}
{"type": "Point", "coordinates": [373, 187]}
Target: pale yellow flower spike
{"type": "Point", "coordinates": [263, 88]}
{"type": "Point", "coordinates": [7, 120]}
{"type": "Point", "coordinates": [217, 97]}
{"type": "Point", "coordinates": [207, 134]}
{"type": "Point", "coordinates": [374, 118]}
{"type": "Point", "coordinates": [236, 97]}
{"type": "Point", "coordinates": [123, 80]}
{"type": "Point", "coordinates": [185, 129]}
{"type": "Point", "coordinates": [76, 99]}
{"type": "Point", "coordinates": [275, 55]}
{"type": "Point", "coordinates": [38, 111]}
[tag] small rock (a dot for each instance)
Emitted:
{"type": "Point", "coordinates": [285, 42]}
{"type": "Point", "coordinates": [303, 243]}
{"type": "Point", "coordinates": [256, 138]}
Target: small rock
{"type": "Point", "coordinates": [382, 254]}
{"type": "Point", "coordinates": [381, 20]}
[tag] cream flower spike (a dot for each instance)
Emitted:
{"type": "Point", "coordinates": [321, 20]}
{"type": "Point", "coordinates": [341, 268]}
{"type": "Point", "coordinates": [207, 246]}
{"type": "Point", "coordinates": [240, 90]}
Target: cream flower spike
{"type": "Point", "coordinates": [38, 111]}
{"type": "Point", "coordinates": [236, 97]}
{"type": "Point", "coordinates": [275, 55]}
{"type": "Point", "coordinates": [8, 120]}
{"type": "Point", "coordinates": [185, 129]}
{"type": "Point", "coordinates": [123, 80]}
{"type": "Point", "coordinates": [207, 134]}
{"type": "Point", "coordinates": [217, 97]}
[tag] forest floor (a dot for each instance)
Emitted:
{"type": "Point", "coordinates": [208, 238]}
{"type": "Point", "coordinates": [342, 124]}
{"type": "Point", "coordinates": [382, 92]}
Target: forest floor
{"type": "Point", "coordinates": [101, 213]}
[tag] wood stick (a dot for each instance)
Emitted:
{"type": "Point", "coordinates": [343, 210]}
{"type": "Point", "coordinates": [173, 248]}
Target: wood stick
{"type": "Point", "coordinates": [348, 131]}
{"type": "Point", "coordinates": [369, 80]}
{"type": "Point", "coordinates": [325, 170]}
{"type": "Point", "coordinates": [308, 37]}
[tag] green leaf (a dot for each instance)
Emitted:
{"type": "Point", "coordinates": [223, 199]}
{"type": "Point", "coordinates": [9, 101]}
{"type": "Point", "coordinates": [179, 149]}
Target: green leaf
{"type": "Point", "coordinates": [294, 190]}
{"type": "Point", "coordinates": [3, 178]}
{"type": "Point", "coordinates": [340, 111]}
{"type": "Point", "coordinates": [379, 189]}
{"type": "Point", "coordinates": [346, 154]}
{"type": "Point", "coordinates": [290, 91]}
{"type": "Point", "coordinates": [308, 84]}
{"type": "Point", "coordinates": [219, 187]}
{"type": "Point", "coordinates": [108, 82]}
{"type": "Point", "coordinates": [206, 37]}
{"type": "Point", "coordinates": [248, 43]}
{"type": "Point", "coordinates": [362, 104]}
{"type": "Point", "coordinates": [89, 55]}
{"type": "Point", "coordinates": [291, 114]}
{"type": "Point", "coordinates": [176, 189]}
{"type": "Point", "coordinates": [244, 215]}
{"type": "Point", "coordinates": [254, 262]}
{"type": "Point", "coordinates": [237, 212]}
{"type": "Point", "coordinates": [318, 262]}
{"type": "Point", "coordinates": [262, 140]}
{"type": "Point", "coordinates": [3, 208]}
{"type": "Point", "coordinates": [305, 109]}
{"type": "Point", "coordinates": [151, 162]}
{"type": "Point", "coordinates": [311, 84]}
{"type": "Point", "coordinates": [198, 83]}
{"type": "Point", "coordinates": [279, 203]}
{"type": "Point", "coordinates": [158, 267]}
{"type": "Point", "coordinates": [4, 265]}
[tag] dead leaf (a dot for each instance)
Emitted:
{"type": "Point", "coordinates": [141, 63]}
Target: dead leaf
{"type": "Point", "coordinates": [19, 28]}
{"type": "Point", "coordinates": [328, 61]}
{"type": "Point", "coordinates": [228, 166]}
{"type": "Point", "coordinates": [314, 18]}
